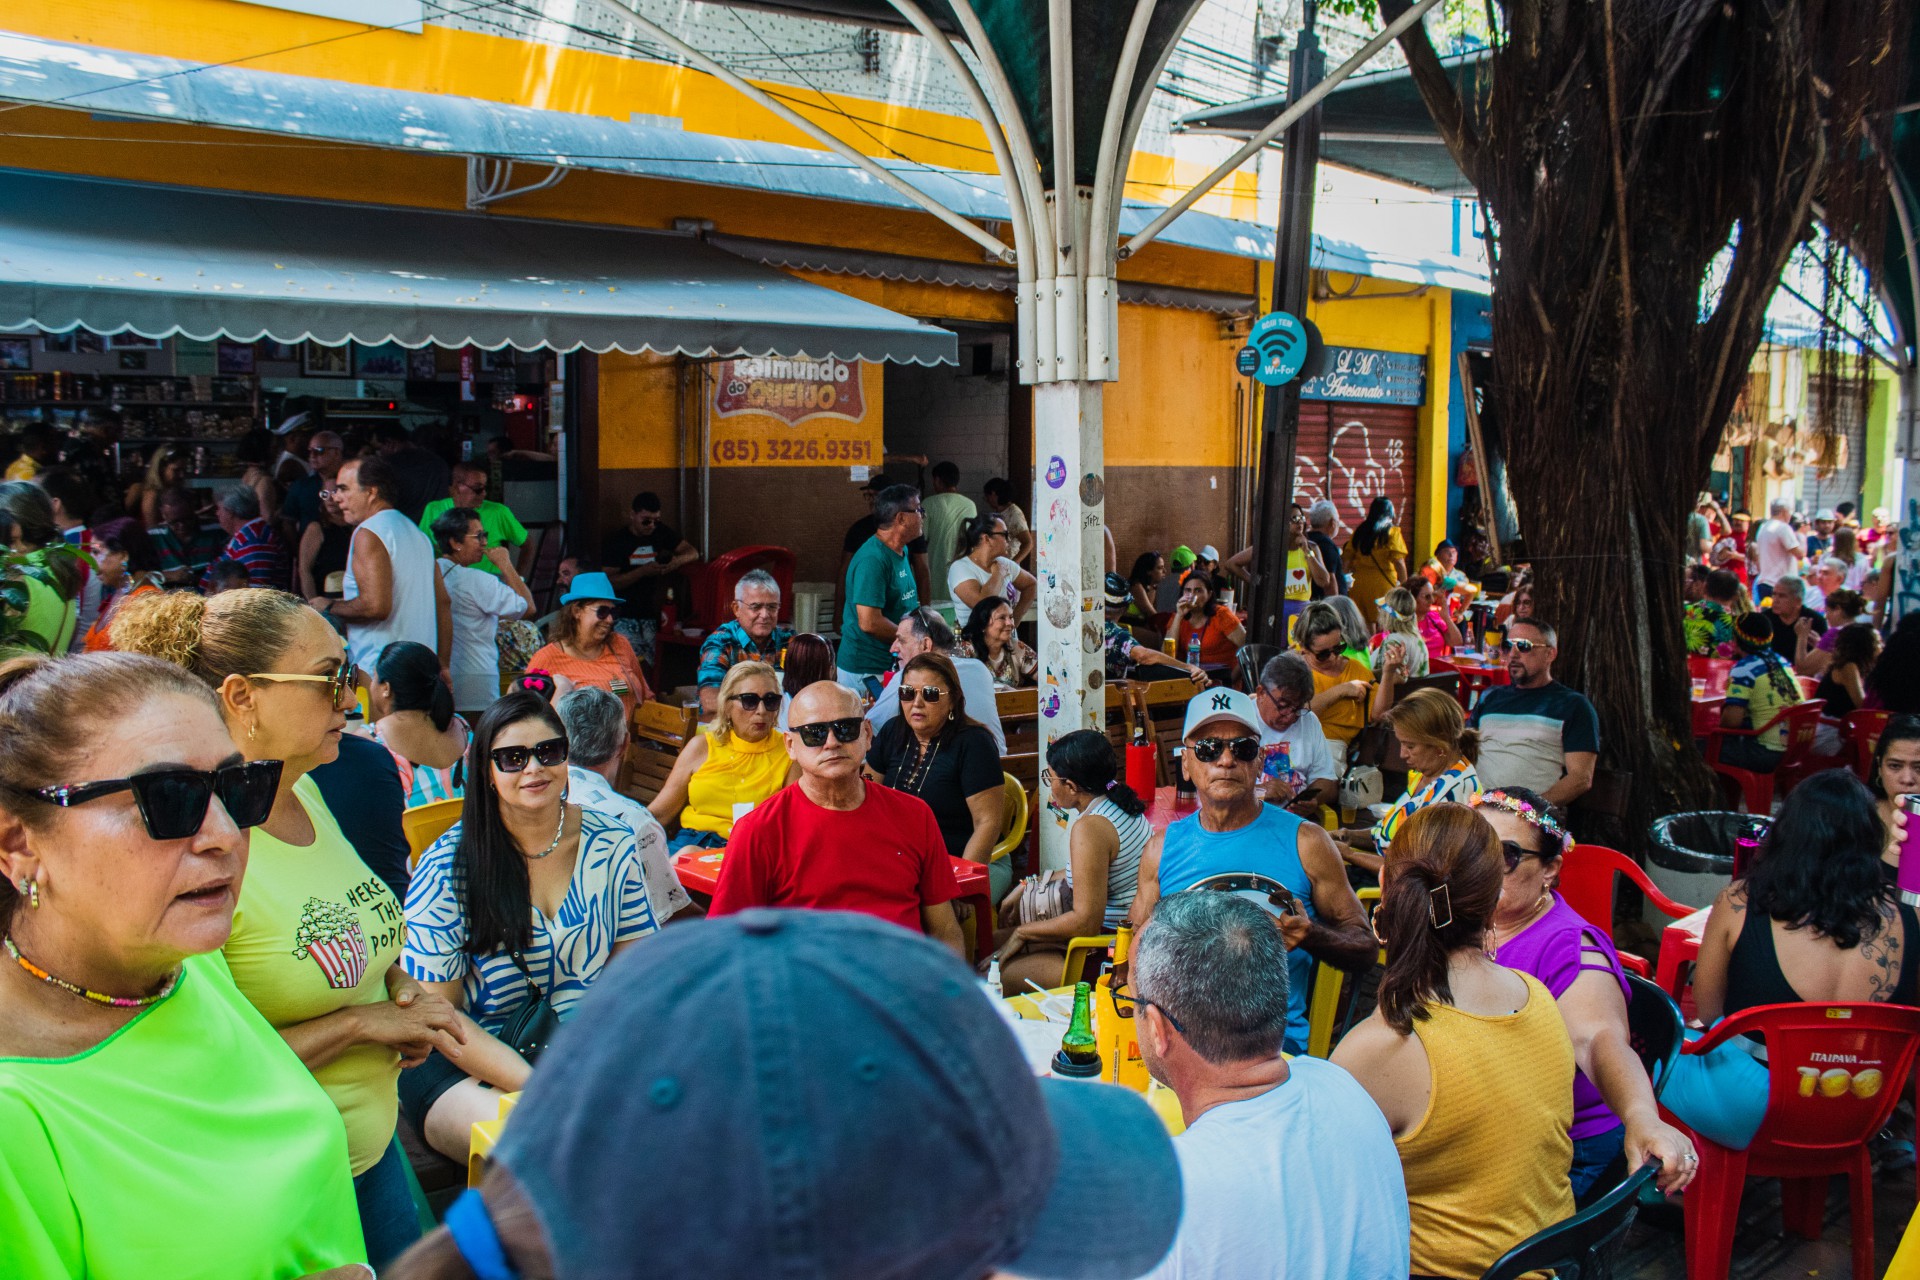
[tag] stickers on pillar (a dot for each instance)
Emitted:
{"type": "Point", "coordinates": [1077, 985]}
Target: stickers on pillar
{"type": "Point", "coordinates": [1056, 514]}
{"type": "Point", "coordinates": [1091, 634]}
{"type": "Point", "coordinates": [1246, 360]}
{"type": "Point", "coordinates": [1056, 472]}
{"type": "Point", "coordinates": [1060, 609]}
{"type": "Point", "coordinates": [1281, 342]}
{"type": "Point", "coordinates": [1050, 697]}
{"type": "Point", "coordinates": [1092, 490]}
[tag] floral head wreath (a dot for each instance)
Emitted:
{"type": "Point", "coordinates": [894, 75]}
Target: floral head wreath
{"type": "Point", "coordinates": [1536, 818]}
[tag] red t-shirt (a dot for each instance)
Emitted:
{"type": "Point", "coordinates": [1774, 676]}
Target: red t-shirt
{"type": "Point", "coordinates": [887, 858]}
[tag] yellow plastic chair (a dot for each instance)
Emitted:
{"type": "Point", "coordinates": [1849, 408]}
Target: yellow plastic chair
{"type": "Point", "coordinates": [1078, 949]}
{"type": "Point", "coordinates": [1013, 830]}
{"type": "Point", "coordinates": [426, 823]}
{"type": "Point", "coordinates": [1323, 1008]}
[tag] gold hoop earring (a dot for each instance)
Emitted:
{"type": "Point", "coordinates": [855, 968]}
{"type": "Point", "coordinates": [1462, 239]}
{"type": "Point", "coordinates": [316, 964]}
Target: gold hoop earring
{"type": "Point", "coordinates": [253, 731]}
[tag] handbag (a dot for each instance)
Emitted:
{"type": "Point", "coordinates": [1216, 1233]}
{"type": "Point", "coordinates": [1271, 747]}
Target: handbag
{"type": "Point", "coordinates": [531, 1030]}
{"type": "Point", "coordinates": [1046, 899]}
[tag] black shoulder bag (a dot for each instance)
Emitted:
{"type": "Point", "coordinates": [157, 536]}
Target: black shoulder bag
{"type": "Point", "coordinates": [531, 1030]}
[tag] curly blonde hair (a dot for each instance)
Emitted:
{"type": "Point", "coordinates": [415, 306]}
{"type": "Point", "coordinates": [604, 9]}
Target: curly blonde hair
{"type": "Point", "coordinates": [235, 632]}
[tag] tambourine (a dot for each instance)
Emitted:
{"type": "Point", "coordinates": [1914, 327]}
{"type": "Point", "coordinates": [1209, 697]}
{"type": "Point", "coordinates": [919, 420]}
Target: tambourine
{"type": "Point", "coordinates": [1264, 892]}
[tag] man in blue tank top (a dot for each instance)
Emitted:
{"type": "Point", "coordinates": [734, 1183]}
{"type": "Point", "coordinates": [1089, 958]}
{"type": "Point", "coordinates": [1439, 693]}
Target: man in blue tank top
{"type": "Point", "coordinates": [1235, 833]}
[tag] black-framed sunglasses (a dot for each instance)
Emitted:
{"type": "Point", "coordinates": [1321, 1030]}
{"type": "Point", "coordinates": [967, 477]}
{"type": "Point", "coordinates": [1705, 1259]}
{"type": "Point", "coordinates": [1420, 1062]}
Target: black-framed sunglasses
{"type": "Point", "coordinates": [173, 803]}
{"type": "Point", "coordinates": [341, 679]}
{"type": "Point", "coordinates": [847, 731]}
{"type": "Point", "coordinates": [927, 693]}
{"type": "Point", "coordinates": [754, 701]}
{"type": "Point", "coordinates": [1515, 854]}
{"type": "Point", "coordinates": [546, 754]}
{"type": "Point", "coordinates": [605, 611]}
{"type": "Point", "coordinates": [1207, 750]}
{"type": "Point", "coordinates": [1127, 1007]}
{"type": "Point", "coordinates": [1324, 655]}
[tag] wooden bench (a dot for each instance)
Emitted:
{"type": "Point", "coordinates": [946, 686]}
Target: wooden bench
{"type": "Point", "coordinates": [658, 733]}
{"type": "Point", "coordinates": [1160, 707]}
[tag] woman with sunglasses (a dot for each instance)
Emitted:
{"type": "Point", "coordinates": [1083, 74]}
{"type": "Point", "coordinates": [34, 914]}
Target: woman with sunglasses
{"type": "Point", "coordinates": [583, 645]}
{"type": "Point", "coordinates": [154, 1124]}
{"type": "Point", "coordinates": [1468, 1060]}
{"type": "Point", "coordinates": [935, 751]}
{"type": "Point", "coordinates": [738, 762]}
{"type": "Point", "coordinates": [1616, 1125]}
{"type": "Point", "coordinates": [413, 717]}
{"type": "Point", "coordinates": [316, 936]}
{"type": "Point", "coordinates": [985, 571]}
{"type": "Point", "coordinates": [526, 898]}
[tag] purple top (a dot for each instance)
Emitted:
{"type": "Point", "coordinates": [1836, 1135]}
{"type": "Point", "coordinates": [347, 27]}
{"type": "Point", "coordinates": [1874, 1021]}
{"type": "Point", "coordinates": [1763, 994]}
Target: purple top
{"type": "Point", "coordinates": [1556, 949]}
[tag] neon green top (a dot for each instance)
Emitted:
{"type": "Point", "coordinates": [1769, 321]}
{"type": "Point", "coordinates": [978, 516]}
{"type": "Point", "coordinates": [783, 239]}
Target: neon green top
{"type": "Point", "coordinates": [190, 1144]}
{"type": "Point", "coordinates": [315, 932]}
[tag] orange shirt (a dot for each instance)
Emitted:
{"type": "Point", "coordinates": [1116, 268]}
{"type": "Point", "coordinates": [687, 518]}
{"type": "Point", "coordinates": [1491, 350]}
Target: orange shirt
{"type": "Point", "coordinates": [97, 637]}
{"type": "Point", "coordinates": [617, 669]}
{"type": "Point", "coordinates": [1216, 647]}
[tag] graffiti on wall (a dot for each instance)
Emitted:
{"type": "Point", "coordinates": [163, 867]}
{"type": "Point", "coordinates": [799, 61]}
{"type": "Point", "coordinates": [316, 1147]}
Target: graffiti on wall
{"type": "Point", "coordinates": [1355, 470]}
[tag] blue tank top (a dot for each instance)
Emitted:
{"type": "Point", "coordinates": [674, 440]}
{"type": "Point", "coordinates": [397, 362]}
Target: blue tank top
{"type": "Point", "coordinates": [1268, 846]}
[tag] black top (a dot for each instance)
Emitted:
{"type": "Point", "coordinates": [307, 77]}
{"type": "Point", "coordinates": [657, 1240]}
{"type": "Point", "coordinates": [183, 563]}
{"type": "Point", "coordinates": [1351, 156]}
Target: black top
{"type": "Point", "coordinates": [623, 549]}
{"type": "Point", "coordinates": [1839, 702]}
{"type": "Point", "coordinates": [336, 540]}
{"type": "Point", "coordinates": [421, 476]}
{"type": "Point", "coordinates": [1754, 976]}
{"type": "Point", "coordinates": [362, 788]}
{"type": "Point", "coordinates": [301, 506]}
{"type": "Point", "coordinates": [865, 527]}
{"type": "Point", "coordinates": [1330, 556]}
{"type": "Point", "coordinates": [1785, 642]}
{"type": "Point", "coordinates": [964, 765]}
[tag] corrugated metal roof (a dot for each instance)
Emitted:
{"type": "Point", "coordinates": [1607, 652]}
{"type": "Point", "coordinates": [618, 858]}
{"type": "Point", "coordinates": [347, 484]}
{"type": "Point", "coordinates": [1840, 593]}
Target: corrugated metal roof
{"type": "Point", "coordinates": [112, 257]}
{"type": "Point", "coordinates": [147, 87]}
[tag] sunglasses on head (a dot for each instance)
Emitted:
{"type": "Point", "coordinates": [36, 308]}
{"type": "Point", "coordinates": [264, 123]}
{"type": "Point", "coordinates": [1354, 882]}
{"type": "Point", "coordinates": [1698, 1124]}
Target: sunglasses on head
{"type": "Point", "coordinates": [173, 802]}
{"type": "Point", "coordinates": [846, 731]}
{"type": "Point", "coordinates": [927, 693]}
{"type": "Point", "coordinates": [546, 754]}
{"type": "Point", "coordinates": [341, 680]}
{"type": "Point", "coordinates": [754, 701]}
{"type": "Point", "coordinates": [1207, 750]}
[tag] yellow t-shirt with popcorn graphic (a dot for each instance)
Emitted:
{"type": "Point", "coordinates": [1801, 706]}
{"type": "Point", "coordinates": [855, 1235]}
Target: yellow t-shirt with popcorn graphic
{"type": "Point", "coordinates": [315, 932]}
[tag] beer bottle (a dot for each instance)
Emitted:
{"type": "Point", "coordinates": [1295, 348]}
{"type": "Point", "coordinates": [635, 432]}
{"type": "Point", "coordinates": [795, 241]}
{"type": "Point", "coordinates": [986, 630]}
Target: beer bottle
{"type": "Point", "coordinates": [1079, 1055]}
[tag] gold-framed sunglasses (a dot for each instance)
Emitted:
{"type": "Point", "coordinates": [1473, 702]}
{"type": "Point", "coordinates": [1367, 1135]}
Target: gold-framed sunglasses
{"type": "Point", "coordinates": [341, 680]}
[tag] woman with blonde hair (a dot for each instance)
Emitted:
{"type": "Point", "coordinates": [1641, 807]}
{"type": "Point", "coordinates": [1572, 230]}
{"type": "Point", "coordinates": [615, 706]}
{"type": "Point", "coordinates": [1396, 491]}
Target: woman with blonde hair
{"type": "Point", "coordinates": [316, 935]}
{"type": "Point", "coordinates": [1399, 652]}
{"type": "Point", "coordinates": [1469, 1062]}
{"type": "Point", "coordinates": [167, 470]}
{"type": "Point", "coordinates": [1436, 744]}
{"type": "Point", "coordinates": [740, 760]}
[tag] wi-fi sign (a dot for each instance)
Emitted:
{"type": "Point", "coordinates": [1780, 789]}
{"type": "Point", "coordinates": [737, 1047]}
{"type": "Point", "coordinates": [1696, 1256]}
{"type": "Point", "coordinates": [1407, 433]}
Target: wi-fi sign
{"type": "Point", "coordinates": [1280, 341]}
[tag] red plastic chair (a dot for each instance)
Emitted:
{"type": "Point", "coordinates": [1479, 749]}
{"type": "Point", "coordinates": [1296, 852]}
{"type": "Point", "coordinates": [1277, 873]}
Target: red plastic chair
{"type": "Point", "coordinates": [1475, 681]}
{"type": "Point", "coordinates": [1823, 1103]}
{"type": "Point", "coordinates": [1715, 671]}
{"type": "Point", "coordinates": [1802, 721]}
{"type": "Point", "coordinates": [1863, 730]}
{"type": "Point", "coordinates": [1588, 874]}
{"type": "Point", "coordinates": [713, 583]}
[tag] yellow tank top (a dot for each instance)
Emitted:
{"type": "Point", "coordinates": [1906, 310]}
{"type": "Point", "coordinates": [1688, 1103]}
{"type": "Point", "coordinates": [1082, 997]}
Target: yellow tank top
{"type": "Point", "coordinates": [1487, 1165]}
{"type": "Point", "coordinates": [735, 772]}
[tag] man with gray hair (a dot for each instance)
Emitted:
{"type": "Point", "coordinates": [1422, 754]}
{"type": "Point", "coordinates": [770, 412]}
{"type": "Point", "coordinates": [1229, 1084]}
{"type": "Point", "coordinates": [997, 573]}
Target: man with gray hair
{"type": "Point", "coordinates": [925, 631]}
{"type": "Point", "coordinates": [1296, 761]}
{"type": "Point", "coordinates": [754, 635]}
{"type": "Point", "coordinates": [1280, 1159]}
{"type": "Point", "coordinates": [251, 541]}
{"type": "Point", "coordinates": [596, 724]}
{"type": "Point", "coordinates": [1322, 519]}
{"type": "Point", "coordinates": [1796, 628]}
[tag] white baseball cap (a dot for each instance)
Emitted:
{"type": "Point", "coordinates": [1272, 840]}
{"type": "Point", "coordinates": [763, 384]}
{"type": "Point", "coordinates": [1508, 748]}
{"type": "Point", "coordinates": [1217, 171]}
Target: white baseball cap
{"type": "Point", "coordinates": [1221, 704]}
{"type": "Point", "coordinates": [1209, 552]}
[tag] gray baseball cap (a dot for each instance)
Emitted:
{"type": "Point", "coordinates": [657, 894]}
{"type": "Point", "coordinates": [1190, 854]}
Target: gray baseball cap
{"type": "Point", "coordinates": [823, 1094]}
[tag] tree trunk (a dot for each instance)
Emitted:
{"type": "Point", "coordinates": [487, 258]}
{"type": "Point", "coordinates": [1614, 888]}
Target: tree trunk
{"type": "Point", "coordinates": [1619, 147]}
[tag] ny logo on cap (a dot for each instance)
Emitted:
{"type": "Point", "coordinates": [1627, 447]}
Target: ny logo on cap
{"type": "Point", "coordinates": [1221, 702]}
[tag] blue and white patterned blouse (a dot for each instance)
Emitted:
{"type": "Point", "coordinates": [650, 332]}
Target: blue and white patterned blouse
{"type": "Point", "coordinates": [606, 903]}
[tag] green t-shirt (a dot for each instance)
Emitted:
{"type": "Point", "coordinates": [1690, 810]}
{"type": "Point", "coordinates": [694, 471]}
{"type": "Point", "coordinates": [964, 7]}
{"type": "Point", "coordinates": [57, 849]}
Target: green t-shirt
{"type": "Point", "coordinates": [190, 1144]}
{"type": "Point", "coordinates": [947, 514]}
{"type": "Point", "coordinates": [503, 528]}
{"type": "Point", "coordinates": [880, 578]}
{"type": "Point", "coordinates": [317, 931]}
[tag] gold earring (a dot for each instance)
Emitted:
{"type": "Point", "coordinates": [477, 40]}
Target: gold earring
{"type": "Point", "coordinates": [253, 731]}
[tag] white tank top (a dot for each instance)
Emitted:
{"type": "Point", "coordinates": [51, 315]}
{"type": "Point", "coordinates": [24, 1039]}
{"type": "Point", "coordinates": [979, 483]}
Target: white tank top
{"type": "Point", "coordinates": [413, 616]}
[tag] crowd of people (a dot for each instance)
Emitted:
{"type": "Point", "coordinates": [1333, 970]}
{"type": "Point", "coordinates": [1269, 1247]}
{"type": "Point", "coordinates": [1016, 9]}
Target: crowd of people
{"type": "Point", "coordinates": [208, 884]}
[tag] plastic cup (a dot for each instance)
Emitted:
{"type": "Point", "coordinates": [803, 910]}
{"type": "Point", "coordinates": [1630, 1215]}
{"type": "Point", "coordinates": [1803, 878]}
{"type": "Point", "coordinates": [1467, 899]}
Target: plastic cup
{"type": "Point", "coordinates": [1699, 687]}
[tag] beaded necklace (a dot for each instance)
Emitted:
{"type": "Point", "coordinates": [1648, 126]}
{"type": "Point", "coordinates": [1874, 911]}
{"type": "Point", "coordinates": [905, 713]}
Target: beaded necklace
{"type": "Point", "coordinates": [117, 1002]}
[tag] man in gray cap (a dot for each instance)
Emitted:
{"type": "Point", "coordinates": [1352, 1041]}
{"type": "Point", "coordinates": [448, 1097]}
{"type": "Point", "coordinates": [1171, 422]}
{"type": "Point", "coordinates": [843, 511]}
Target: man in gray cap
{"type": "Point", "coordinates": [740, 1099]}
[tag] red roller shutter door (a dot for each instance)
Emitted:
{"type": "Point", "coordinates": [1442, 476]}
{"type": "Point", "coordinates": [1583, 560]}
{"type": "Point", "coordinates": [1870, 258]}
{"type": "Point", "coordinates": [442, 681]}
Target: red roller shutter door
{"type": "Point", "coordinates": [1352, 453]}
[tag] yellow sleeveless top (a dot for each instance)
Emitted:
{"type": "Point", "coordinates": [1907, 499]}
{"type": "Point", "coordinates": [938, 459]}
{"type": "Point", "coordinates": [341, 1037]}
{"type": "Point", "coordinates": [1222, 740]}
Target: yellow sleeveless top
{"type": "Point", "coordinates": [735, 772]}
{"type": "Point", "coordinates": [1487, 1165]}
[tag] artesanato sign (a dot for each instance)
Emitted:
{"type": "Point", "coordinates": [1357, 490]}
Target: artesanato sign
{"type": "Point", "coordinates": [1373, 377]}
{"type": "Point", "coordinates": [792, 389]}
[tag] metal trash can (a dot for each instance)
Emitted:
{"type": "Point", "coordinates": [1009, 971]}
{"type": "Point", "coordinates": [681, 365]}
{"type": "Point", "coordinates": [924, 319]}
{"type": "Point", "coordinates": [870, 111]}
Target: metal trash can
{"type": "Point", "coordinates": [1690, 856]}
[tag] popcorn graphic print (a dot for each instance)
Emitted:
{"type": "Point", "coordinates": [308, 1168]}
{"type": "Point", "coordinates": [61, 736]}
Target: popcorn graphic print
{"type": "Point", "coordinates": [330, 934]}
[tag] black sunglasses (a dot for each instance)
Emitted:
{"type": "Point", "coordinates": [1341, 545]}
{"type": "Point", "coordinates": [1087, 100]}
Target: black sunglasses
{"type": "Point", "coordinates": [927, 693]}
{"type": "Point", "coordinates": [815, 735]}
{"type": "Point", "coordinates": [1321, 655]}
{"type": "Point", "coordinates": [1127, 1007]}
{"type": "Point", "coordinates": [754, 701]}
{"type": "Point", "coordinates": [173, 802]}
{"type": "Point", "coordinates": [604, 611]}
{"type": "Point", "coordinates": [1515, 854]}
{"type": "Point", "coordinates": [1207, 750]}
{"type": "Point", "coordinates": [1524, 646]}
{"type": "Point", "coordinates": [513, 759]}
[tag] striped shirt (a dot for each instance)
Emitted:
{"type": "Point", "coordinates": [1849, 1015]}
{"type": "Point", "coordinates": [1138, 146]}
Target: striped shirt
{"type": "Point", "coordinates": [1123, 877]}
{"type": "Point", "coordinates": [425, 784]}
{"type": "Point", "coordinates": [1456, 783]}
{"type": "Point", "coordinates": [258, 547]}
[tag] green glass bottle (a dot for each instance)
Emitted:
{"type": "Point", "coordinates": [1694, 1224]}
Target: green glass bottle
{"type": "Point", "coordinates": [1079, 1056]}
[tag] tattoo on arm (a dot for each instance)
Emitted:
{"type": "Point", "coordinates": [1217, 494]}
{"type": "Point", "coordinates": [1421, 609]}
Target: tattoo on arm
{"type": "Point", "coordinates": [1883, 948]}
